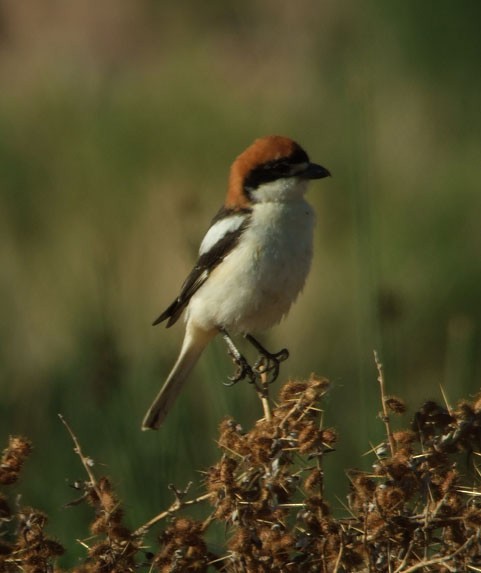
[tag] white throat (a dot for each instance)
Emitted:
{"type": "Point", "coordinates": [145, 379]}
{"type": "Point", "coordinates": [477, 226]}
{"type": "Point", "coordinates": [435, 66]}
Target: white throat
{"type": "Point", "coordinates": [280, 190]}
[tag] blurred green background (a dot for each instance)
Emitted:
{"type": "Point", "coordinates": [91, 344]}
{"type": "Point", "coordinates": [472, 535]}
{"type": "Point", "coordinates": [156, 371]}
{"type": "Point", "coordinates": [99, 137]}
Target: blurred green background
{"type": "Point", "coordinates": [118, 122]}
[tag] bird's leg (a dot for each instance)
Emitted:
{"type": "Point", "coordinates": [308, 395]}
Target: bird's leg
{"type": "Point", "coordinates": [243, 368]}
{"type": "Point", "coordinates": [268, 363]}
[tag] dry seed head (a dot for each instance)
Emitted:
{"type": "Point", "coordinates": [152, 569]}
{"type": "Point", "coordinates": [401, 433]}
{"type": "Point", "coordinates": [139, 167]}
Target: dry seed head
{"type": "Point", "coordinates": [186, 532]}
{"type": "Point", "coordinates": [99, 525]}
{"type": "Point", "coordinates": [309, 437]}
{"type": "Point", "coordinates": [19, 446]}
{"type": "Point", "coordinates": [404, 437]}
{"type": "Point", "coordinates": [354, 559]}
{"type": "Point", "coordinates": [465, 410]}
{"type": "Point", "coordinates": [472, 518]}
{"type": "Point", "coordinates": [477, 403]}
{"type": "Point", "coordinates": [220, 478]}
{"type": "Point", "coordinates": [390, 498]}
{"type": "Point", "coordinates": [261, 450]}
{"type": "Point", "coordinates": [395, 404]}
{"type": "Point", "coordinates": [119, 533]}
{"type": "Point", "coordinates": [99, 550]}
{"type": "Point", "coordinates": [108, 500]}
{"type": "Point", "coordinates": [292, 390]}
{"type": "Point", "coordinates": [241, 541]}
{"type": "Point", "coordinates": [287, 541]}
{"type": "Point", "coordinates": [329, 436]}
{"type": "Point", "coordinates": [316, 503]}
{"type": "Point", "coordinates": [227, 468]}
{"type": "Point", "coordinates": [319, 383]}
{"type": "Point", "coordinates": [13, 458]}
{"type": "Point", "coordinates": [34, 562]}
{"type": "Point", "coordinates": [226, 510]}
{"type": "Point", "coordinates": [231, 438]}
{"type": "Point", "coordinates": [195, 557]}
{"type": "Point", "coordinates": [30, 518]}
{"type": "Point", "coordinates": [8, 477]}
{"type": "Point", "coordinates": [450, 480]}
{"type": "Point", "coordinates": [274, 543]}
{"type": "Point", "coordinates": [316, 387]}
{"type": "Point", "coordinates": [364, 487]}
{"type": "Point", "coordinates": [54, 548]}
{"type": "Point", "coordinates": [375, 524]}
{"type": "Point", "coordinates": [397, 466]}
{"type": "Point", "coordinates": [213, 481]}
{"type": "Point", "coordinates": [185, 525]}
{"type": "Point", "coordinates": [454, 503]}
{"type": "Point", "coordinates": [314, 481]}
{"type": "Point", "coordinates": [311, 396]}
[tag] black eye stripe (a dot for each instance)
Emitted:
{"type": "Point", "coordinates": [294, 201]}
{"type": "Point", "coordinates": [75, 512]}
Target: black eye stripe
{"type": "Point", "coordinates": [269, 172]}
{"type": "Point", "coordinates": [275, 169]}
{"type": "Point", "coordinates": [282, 166]}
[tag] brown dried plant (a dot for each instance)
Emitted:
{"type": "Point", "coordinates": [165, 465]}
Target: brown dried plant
{"type": "Point", "coordinates": [413, 511]}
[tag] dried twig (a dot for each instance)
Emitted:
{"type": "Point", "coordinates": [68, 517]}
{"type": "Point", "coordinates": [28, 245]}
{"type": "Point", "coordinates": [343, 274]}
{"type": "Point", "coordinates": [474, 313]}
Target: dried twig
{"type": "Point", "coordinates": [263, 393]}
{"type": "Point", "coordinates": [267, 489]}
{"type": "Point", "coordinates": [385, 416]}
{"type": "Point", "coordinates": [176, 505]}
{"type": "Point", "coordinates": [86, 461]}
{"type": "Point", "coordinates": [437, 560]}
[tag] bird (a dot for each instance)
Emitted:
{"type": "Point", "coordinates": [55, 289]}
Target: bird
{"type": "Point", "coordinates": [253, 262]}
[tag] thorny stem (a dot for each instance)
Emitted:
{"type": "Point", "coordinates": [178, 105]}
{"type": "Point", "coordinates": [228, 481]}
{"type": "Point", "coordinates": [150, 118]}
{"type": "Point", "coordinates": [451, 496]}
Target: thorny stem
{"type": "Point", "coordinates": [263, 393]}
{"type": "Point", "coordinates": [445, 398]}
{"type": "Point", "coordinates": [339, 556]}
{"type": "Point", "coordinates": [84, 459]}
{"type": "Point", "coordinates": [207, 521]}
{"type": "Point", "coordinates": [178, 504]}
{"type": "Point", "coordinates": [385, 417]}
{"type": "Point", "coordinates": [406, 557]}
{"type": "Point", "coordinates": [422, 564]}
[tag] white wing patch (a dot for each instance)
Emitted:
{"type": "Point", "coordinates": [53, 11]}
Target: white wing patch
{"type": "Point", "coordinates": [219, 230]}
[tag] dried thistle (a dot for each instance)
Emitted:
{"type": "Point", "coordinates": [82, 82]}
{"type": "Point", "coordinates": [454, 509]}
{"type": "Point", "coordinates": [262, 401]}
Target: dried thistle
{"type": "Point", "coordinates": [13, 458]}
{"type": "Point", "coordinates": [413, 511]}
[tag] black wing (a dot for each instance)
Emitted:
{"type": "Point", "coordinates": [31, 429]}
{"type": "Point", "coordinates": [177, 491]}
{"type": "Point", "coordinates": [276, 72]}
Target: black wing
{"type": "Point", "coordinates": [206, 263]}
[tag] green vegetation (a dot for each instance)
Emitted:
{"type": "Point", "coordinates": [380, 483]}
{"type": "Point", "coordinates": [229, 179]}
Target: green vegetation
{"type": "Point", "coordinates": [118, 122]}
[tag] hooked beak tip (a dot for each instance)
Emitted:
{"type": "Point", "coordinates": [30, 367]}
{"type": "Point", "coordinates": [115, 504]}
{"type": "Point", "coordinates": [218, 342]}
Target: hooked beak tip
{"type": "Point", "coordinates": [315, 171]}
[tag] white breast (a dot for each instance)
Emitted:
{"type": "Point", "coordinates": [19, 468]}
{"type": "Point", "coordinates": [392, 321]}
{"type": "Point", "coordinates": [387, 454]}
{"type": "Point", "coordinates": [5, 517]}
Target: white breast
{"type": "Point", "coordinates": [255, 285]}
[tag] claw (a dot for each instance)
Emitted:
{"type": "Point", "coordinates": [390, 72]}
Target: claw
{"type": "Point", "coordinates": [243, 370]}
{"type": "Point", "coordinates": [268, 362]}
{"type": "Point", "coordinates": [282, 355]}
{"type": "Point", "coordinates": [267, 365]}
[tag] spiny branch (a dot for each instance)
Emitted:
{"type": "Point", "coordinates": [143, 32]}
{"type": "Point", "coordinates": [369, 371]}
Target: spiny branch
{"type": "Point", "coordinates": [385, 414]}
{"type": "Point", "coordinates": [86, 461]}
{"type": "Point", "coordinates": [176, 505]}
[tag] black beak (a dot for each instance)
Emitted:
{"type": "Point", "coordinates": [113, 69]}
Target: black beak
{"type": "Point", "coordinates": [315, 171]}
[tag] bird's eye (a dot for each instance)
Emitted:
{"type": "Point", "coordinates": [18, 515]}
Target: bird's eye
{"type": "Point", "coordinates": [282, 168]}
{"type": "Point", "coordinates": [268, 172]}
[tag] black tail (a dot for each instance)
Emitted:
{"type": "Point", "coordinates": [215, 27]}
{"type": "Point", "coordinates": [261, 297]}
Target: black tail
{"type": "Point", "coordinates": [172, 313]}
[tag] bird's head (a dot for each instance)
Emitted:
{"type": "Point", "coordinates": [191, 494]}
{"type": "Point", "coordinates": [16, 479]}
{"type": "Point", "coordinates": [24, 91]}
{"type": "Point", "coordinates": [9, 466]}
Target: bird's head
{"type": "Point", "coordinates": [273, 168]}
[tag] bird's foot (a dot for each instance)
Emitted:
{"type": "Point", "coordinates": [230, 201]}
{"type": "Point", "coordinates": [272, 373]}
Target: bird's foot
{"type": "Point", "coordinates": [243, 370]}
{"type": "Point", "coordinates": [266, 368]}
{"type": "Point", "coordinates": [268, 363]}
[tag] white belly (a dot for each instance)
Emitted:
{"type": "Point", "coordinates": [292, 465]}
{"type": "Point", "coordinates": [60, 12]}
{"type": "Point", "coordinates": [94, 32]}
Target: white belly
{"type": "Point", "coordinates": [255, 285]}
